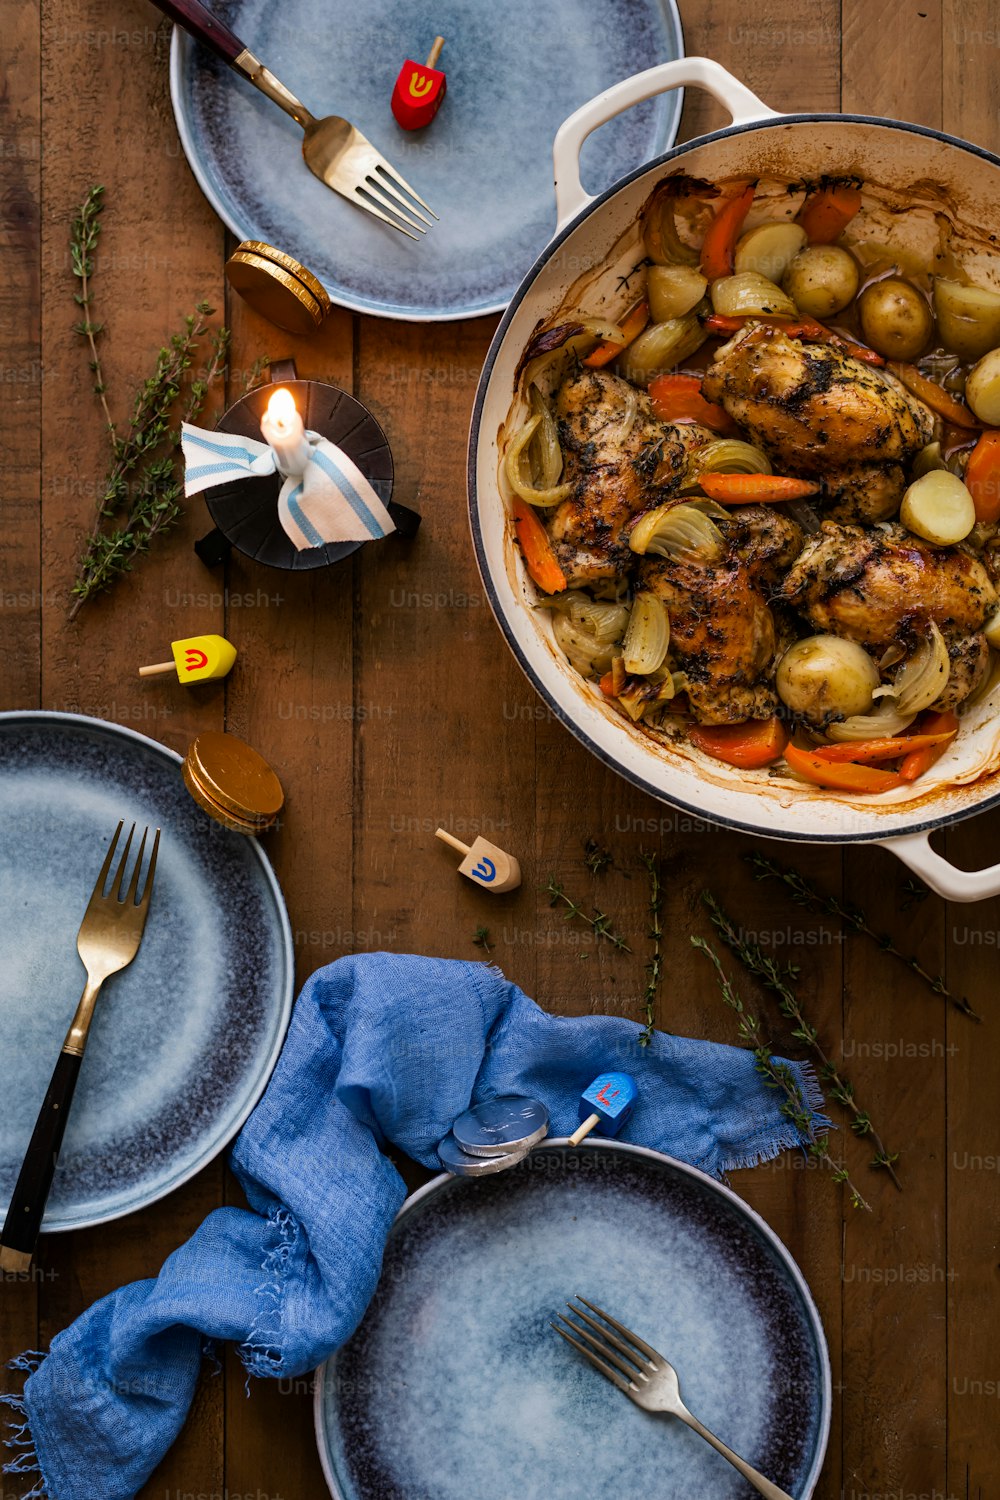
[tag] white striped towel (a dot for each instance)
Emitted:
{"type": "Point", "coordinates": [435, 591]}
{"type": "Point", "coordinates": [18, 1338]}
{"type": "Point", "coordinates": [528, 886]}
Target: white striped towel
{"type": "Point", "coordinates": [331, 502]}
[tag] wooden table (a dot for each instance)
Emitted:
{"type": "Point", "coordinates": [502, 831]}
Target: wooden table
{"type": "Point", "coordinates": [384, 693]}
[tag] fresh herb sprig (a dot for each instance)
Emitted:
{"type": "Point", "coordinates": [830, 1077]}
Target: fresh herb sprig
{"type": "Point", "coordinates": [803, 894]}
{"type": "Point", "coordinates": [778, 1076]}
{"type": "Point", "coordinates": [780, 980]}
{"type": "Point", "coordinates": [141, 492]}
{"type": "Point", "coordinates": [596, 857]}
{"type": "Point", "coordinates": [655, 966]}
{"type": "Point", "coordinates": [481, 938]}
{"type": "Point", "coordinates": [600, 922]}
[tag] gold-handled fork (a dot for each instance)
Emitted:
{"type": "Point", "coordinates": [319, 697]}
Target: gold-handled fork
{"type": "Point", "coordinates": [109, 939]}
{"type": "Point", "coordinates": [334, 149]}
{"type": "Point", "coordinates": [646, 1378]}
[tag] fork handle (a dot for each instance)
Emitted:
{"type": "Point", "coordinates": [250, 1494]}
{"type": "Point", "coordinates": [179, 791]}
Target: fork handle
{"type": "Point", "coordinates": [24, 1216]}
{"type": "Point", "coordinates": [761, 1485]}
{"type": "Point", "coordinates": [203, 26]}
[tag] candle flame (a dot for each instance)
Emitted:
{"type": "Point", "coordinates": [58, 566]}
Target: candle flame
{"type": "Point", "coordinates": [281, 408]}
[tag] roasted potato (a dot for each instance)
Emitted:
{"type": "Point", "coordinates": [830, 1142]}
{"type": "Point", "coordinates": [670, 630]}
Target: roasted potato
{"type": "Point", "coordinates": [968, 318]}
{"type": "Point", "coordinates": [895, 318]}
{"type": "Point", "coordinates": [939, 508]}
{"type": "Point", "coordinates": [825, 677]}
{"type": "Point", "coordinates": [822, 280]}
{"type": "Point", "coordinates": [982, 389]}
{"type": "Point", "coordinates": [769, 249]}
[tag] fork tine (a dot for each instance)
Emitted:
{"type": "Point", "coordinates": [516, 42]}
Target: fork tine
{"type": "Point", "coordinates": [147, 889]}
{"type": "Point", "coordinates": [99, 885]}
{"type": "Point", "coordinates": [398, 178]}
{"type": "Point", "coordinates": [626, 1333]}
{"type": "Point", "coordinates": [601, 1348]}
{"type": "Point", "coordinates": [359, 198]}
{"type": "Point", "coordinates": [607, 1335]}
{"type": "Point", "coordinates": [376, 188]}
{"type": "Point", "coordinates": [117, 884]}
{"type": "Point", "coordinates": [133, 884]}
{"type": "Point", "coordinates": [387, 185]}
{"type": "Point", "coordinates": [612, 1375]}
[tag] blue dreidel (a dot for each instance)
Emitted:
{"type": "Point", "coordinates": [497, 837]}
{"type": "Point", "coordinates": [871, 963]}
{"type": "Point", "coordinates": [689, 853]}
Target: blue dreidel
{"type": "Point", "coordinates": [605, 1105]}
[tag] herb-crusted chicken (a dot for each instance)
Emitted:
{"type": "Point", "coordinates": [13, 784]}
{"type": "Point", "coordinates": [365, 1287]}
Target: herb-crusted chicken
{"type": "Point", "coordinates": [620, 461]}
{"type": "Point", "coordinates": [820, 414]}
{"type": "Point", "coordinates": [725, 636]}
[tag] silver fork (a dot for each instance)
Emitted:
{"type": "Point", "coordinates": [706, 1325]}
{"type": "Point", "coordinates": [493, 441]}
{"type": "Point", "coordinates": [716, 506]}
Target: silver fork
{"type": "Point", "coordinates": [108, 940]}
{"type": "Point", "coordinates": [646, 1378]}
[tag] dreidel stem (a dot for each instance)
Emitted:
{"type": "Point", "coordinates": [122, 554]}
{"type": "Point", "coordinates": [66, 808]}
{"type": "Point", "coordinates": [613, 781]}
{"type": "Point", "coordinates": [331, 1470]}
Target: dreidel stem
{"type": "Point", "coordinates": [158, 669]}
{"type": "Point", "coordinates": [449, 838]}
{"type": "Point", "coordinates": [435, 52]}
{"type": "Point", "coordinates": [584, 1129]}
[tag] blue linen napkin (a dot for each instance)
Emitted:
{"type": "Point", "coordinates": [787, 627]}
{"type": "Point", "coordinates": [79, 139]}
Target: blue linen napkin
{"type": "Point", "coordinates": [381, 1048]}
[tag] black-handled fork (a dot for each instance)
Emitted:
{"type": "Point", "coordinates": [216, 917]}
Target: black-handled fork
{"type": "Point", "coordinates": [109, 939]}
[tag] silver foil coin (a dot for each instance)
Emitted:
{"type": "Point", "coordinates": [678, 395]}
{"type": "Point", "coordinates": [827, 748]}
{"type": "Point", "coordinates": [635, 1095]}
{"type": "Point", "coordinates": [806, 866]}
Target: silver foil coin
{"type": "Point", "coordinates": [498, 1126]}
{"type": "Point", "coordinates": [461, 1164]}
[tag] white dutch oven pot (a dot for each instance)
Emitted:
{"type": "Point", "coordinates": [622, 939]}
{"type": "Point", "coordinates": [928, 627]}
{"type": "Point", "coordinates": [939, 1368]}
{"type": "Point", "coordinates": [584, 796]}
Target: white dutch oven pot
{"type": "Point", "coordinates": [905, 167]}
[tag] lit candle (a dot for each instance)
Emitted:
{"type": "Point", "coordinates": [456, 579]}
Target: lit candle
{"type": "Point", "coordinates": [284, 431]}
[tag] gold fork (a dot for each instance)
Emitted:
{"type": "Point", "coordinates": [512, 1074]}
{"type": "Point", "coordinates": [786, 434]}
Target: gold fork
{"type": "Point", "coordinates": [109, 939]}
{"type": "Point", "coordinates": [334, 149]}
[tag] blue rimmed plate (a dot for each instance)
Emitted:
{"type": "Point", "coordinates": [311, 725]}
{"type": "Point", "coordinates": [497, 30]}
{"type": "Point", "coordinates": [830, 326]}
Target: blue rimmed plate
{"type": "Point", "coordinates": [515, 71]}
{"type": "Point", "coordinates": [454, 1386]}
{"type": "Point", "coordinates": [184, 1040]}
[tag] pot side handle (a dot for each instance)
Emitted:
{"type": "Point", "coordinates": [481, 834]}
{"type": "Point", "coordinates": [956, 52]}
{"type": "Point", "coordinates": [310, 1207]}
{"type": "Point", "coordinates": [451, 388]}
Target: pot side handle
{"type": "Point", "coordinates": [934, 870]}
{"type": "Point", "coordinates": [701, 72]}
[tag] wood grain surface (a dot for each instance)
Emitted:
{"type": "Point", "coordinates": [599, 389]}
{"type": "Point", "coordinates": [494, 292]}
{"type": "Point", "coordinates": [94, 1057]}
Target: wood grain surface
{"type": "Point", "coordinates": [383, 693]}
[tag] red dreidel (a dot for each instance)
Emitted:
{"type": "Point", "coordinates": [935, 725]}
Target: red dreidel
{"type": "Point", "coordinates": [198, 658]}
{"type": "Point", "coordinates": [605, 1105]}
{"type": "Point", "coordinates": [419, 90]}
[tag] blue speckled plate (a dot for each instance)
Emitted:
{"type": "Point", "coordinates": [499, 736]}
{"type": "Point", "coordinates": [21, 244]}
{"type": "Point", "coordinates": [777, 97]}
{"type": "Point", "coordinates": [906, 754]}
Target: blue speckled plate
{"type": "Point", "coordinates": [455, 1388]}
{"type": "Point", "coordinates": [184, 1040]}
{"type": "Point", "coordinates": [515, 71]}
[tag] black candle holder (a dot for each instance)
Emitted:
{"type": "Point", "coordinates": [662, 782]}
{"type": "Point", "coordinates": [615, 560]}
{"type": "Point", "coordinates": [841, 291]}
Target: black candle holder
{"type": "Point", "coordinates": [245, 510]}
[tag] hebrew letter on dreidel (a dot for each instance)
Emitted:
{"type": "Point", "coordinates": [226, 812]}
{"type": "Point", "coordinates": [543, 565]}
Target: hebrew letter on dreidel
{"type": "Point", "coordinates": [484, 863]}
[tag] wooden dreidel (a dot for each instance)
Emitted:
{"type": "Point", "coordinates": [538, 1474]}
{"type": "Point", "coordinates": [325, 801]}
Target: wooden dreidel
{"type": "Point", "coordinates": [605, 1105]}
{"type": "Point", "coordinates": [199, 658]}
{"type": "Point", "coordinates": [419, 90]}
{"type": "Point", "coordinates": [484, 863]}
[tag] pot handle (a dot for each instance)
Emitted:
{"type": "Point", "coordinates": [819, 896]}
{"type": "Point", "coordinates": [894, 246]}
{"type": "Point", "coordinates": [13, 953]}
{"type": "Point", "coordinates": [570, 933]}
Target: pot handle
{"type": "Point", "coordinates": [702, 72]}
{"type": "Point", "coordinates": [946, 879]}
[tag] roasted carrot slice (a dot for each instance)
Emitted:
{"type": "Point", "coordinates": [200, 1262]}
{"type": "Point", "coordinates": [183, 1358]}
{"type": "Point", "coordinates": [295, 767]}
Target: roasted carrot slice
{"type": "Point", "coordinates": [845, 777]}
{"type": "Point", "coordinates": [827, 212]}
{"type": "Point", "coordinates": [631, 326]}
{"type": "Point", "coordinates": [539, 558]}
{"type": "Point", "coordinates": [863, 752]}
{"type": "Point", "coordinates": [750, 745]}
{"type": "Point", "coordinates": [937, 731]}
{"type": "Point", "coordinates": [718, 248]}
{"type": "Point", "coordinates": [678, 398]}
{"type": "Point", "coordinates": [806, 329]}
{"type": "Point", "coordinates": [755, 489]}
{"type": "Point", "coordinates": [933, 396]}
{"type": "Point", "coordinates": [982, 477]}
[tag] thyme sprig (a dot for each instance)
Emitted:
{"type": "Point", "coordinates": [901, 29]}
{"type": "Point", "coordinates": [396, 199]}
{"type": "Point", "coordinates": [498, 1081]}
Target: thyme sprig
{"type": "Point", "coordinates": [778, 1076]}
{"type": "Point", "coordinates": [600, 922]}
{"type": "Point", "coordinates": [141, 492]}
{"type": "Point", "coordinates": [655, 966]}
{"type": "Point", "coordinates": [481, 938]}
{"type": "Point", "coordinates": [780, 980]}
{"type": "Point", "coordinates": [803, 894]}
{"type": "Point", "coordinates": [596, 857]}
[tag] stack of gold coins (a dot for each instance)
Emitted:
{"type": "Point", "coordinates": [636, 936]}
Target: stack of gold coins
{"type": "Point", "coordinates": [232, 783]}
{"type": "Point", "coordinates": [277, 286]}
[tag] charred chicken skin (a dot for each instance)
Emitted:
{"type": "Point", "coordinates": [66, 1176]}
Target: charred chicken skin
{"type": "Point", "coordinates": [820, 414]}
{"type": "Point", "coordinates": [877, 586]}
{"type": "Point", "coordinates": [620, 461]}
{"type": "Point", "coordinates": [725, 636]}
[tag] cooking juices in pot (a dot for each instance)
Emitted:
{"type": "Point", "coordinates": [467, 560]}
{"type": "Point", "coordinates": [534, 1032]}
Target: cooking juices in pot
{"type": "Point", "coordinates": [763, 505]}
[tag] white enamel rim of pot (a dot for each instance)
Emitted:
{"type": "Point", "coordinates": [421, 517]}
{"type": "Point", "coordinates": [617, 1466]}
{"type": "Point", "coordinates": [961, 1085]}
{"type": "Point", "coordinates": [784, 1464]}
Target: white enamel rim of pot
{"type": "Point", "coordinates": [327, 1371]}
{"type": "Point", "coordinates": [921, 167]}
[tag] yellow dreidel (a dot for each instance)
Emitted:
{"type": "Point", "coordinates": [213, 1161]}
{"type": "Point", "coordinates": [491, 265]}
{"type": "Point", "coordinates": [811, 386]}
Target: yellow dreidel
{"type": "Point", "coordinates": [200, 658]}
{"type": "Point", "coordinates": [484, 863]}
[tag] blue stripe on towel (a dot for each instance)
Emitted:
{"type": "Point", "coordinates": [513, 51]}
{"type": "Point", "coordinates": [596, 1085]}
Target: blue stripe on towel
{"type": "Point", "coordinates": [301, 520]}
{"type": "Point", "coordinates": [227, 450]}
{"type": "Point", "coordinates": [205, 469]}
{"type": "Point", "coordinates": [354, 500]}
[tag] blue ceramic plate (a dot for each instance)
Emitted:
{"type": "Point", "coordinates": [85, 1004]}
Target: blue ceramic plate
{"type": "Point", "coordinates": [455, 1388]}
{"type": "Point", "coordinates": [515, 71]}
{"type": "Point", "coordinates": [184, 1039]}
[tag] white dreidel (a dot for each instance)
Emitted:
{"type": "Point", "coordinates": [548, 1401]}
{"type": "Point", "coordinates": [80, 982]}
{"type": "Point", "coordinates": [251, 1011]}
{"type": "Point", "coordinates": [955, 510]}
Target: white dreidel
{"type": "Point", "coordinates": [606, 1105]}
{"type": "Point", "coordinates": [484, 863]}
